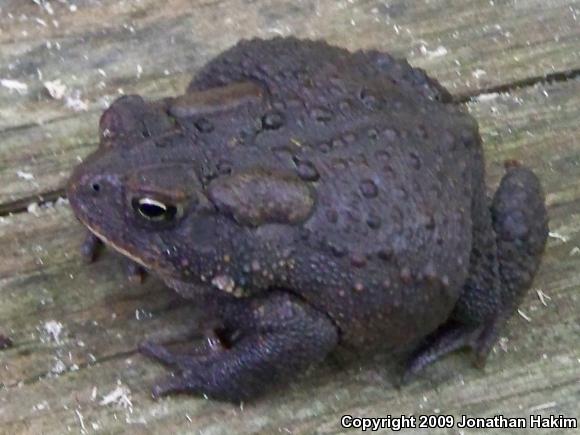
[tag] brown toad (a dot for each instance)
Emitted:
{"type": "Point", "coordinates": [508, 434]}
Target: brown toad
{"type": "Point", "coordinates": [311, 196]}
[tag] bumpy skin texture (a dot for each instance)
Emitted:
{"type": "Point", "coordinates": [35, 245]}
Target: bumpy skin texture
{"type": "Point", "coordinates": [309, 196]}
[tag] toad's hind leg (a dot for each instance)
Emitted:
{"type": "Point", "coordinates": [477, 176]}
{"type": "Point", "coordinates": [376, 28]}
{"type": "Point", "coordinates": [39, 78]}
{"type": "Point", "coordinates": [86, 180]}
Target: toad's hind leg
{"type": "Point", "coordinates": [520, 222]}
{"type": "Point", "coordinates": [501, 270]}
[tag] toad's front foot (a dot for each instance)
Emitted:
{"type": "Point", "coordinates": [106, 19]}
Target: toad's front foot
{"type": "Point", "coordinates": [91, 250]}
{"type": "Point", "coordinates": [91, 247]}
{"type": "Point", "coordinates": [276, 337]}
{"type": "Point", "coordinates": [5, 342]}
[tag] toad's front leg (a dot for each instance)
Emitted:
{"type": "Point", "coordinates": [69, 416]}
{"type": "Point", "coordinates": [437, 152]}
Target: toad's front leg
{"type": "Point", "coordinates": [90, 251]}
{"type": "Point", "coordinates": [276, 336]}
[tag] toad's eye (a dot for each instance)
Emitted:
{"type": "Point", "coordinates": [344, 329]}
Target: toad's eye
{"type": "Point", "coordinates": [154, 210]}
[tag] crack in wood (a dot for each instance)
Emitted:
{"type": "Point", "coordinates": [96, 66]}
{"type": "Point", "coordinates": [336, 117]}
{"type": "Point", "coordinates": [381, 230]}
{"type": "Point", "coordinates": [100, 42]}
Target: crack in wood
{"type": "Point", "coordinates": [21, 205]}
{"type": "Point", "coordinates": [548, 79]}
{"type": "Point", "coordinates": [48, 374]}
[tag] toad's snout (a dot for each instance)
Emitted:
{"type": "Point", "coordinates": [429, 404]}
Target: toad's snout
{"type": "Point", "coordinates": [88, 188]}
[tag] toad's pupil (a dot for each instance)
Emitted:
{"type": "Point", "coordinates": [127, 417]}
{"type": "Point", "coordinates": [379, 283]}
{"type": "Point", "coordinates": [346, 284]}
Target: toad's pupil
{"type": "Point", "coordinates": [154, 210]}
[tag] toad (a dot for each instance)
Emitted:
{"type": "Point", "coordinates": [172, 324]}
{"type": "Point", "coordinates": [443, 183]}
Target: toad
{"type": "Point", "coordinates": [311, 197]}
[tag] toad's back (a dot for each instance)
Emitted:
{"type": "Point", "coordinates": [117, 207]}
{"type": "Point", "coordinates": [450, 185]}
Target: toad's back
{"type": "Point", "coordinates": [389, 163]}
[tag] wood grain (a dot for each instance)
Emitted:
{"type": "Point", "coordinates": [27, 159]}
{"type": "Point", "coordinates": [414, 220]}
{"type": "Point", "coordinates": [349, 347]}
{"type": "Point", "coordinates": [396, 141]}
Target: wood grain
{"type": "Point", "coordinates": [74, 366]}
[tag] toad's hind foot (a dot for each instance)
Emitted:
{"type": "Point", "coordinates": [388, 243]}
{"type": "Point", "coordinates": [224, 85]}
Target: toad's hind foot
{"type": "Point", "coordinates": [449, 338]}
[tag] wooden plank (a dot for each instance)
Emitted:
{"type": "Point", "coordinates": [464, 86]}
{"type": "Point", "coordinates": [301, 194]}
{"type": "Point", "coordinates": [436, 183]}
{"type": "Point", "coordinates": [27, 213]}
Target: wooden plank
{"type": "Point", "coordinates": [103, 48]}
{"type": "Point", "coordinates": [47, 381]}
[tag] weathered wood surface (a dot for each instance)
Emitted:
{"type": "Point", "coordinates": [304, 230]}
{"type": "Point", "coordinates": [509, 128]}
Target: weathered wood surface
{"type": "Point", "coordinates": [75, 328]}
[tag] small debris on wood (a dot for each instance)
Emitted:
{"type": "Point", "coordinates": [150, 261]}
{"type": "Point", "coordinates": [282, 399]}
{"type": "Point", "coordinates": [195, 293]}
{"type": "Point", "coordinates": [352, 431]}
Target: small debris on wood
{"type": "Point", "coordinates": [52, 330]}
{"type": "Point", "coordinates": [45, 5]}
{"type": "Point", "coordinates": [120, 396]}
{"type": "Point", "coordinates": [56, 89]}
{"type": "Point", "coordinates": [543, 297]}
{"type": "Point", "coordinates": [76, 103]}
{"type": "Point", "coordinates": [41, 22]}
{"type": "Point", "coordinates": [28, 176]}
{"type": "Point", "coordinates": [58, 367]}
{"type": "Point", "coordinates": [503, 343]}
{"type": "Point", "coordinates": [81, 421]}
{"type": "Point", "coordinates": [478, 73]}
{"type": "Point", "coordinates": [524, 315]}
{"type": "Point", "coordinates": [72, 98]}
{"type": "Point", "coordinates": [542, 406]}
{"type": "Point", "coordinates": [32, 208]}
{"type": "Point", "coordinates": [558, 236]}
{"type": "Point", "coordinates": [431, 54]}
{"type": "Point", "coordinates": [14, 85]}
{"type": "Point", "coordinates": [41, 406]}
{"type": "Point", "coordinates": [483, 98]}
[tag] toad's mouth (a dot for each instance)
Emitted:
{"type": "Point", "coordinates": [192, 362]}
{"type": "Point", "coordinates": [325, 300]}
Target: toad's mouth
{"type": "Point", "coordinates": [111, 244]}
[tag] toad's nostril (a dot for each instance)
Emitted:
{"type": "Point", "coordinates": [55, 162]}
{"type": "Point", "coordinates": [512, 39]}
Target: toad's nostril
{"type": "Point", "coordinates": [96, 187]}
